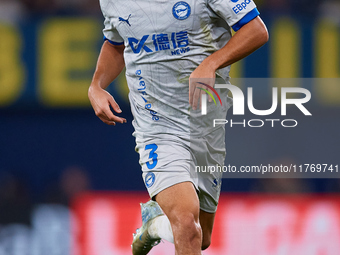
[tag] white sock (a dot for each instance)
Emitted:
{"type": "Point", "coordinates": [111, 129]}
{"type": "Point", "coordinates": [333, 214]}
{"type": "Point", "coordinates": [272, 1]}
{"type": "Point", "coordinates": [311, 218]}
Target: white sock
{"type": "Point", "coordinates": [160, 228]}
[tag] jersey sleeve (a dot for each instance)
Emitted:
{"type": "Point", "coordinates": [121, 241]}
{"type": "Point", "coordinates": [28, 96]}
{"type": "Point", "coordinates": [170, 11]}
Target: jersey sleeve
{"type": "Point", "coordinates": [110, 32]}
{"type": "Point", "coordinates": [236, 13]}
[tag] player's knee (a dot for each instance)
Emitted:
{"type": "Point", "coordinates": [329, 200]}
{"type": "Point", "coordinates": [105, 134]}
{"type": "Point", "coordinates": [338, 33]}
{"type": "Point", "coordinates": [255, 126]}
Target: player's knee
{"type": "Point", "coordinates": [188, 224]}
{"type": "Point", "coordinates": [185, 220]}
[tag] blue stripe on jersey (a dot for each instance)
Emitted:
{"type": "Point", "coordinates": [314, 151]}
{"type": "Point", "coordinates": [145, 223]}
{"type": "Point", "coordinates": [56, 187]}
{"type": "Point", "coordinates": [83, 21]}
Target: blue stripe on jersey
{"type": "Point", "coordinates": [112, 42]}
{"type": "Point", "coordinates": [247, 18]}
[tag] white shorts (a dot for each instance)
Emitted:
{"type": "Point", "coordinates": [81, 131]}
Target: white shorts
{"type": "Point", "coordinates": [167, 160]}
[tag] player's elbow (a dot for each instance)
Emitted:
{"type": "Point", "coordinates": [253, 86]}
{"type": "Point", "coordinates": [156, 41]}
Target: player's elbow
{"type": "Point", "coordinates": [262, 34]}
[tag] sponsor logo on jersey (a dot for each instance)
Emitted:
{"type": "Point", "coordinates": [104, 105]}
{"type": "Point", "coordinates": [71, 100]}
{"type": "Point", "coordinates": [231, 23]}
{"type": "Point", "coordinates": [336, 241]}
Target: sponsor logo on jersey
{"type": "Point", "coordinates": [181, 10]}
{"type": "Point", "coordinates": [176, 42]}
{"type": "Point", "coordinates": [142, 91]}
{"type": "Point", "coordinates": [137, 45]}
{"type": "Point", "coordinates": [125, 20]}
{"type": "Point", "coordinates": [242, 6]}
{"type": "Point", "coordinates": [150, 179]}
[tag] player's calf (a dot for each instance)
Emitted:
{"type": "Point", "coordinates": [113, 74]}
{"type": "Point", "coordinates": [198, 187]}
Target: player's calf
{"type": "Point", "coordinates": [206, 242]}
{"type": "Point", "coordinates": [207, 223]}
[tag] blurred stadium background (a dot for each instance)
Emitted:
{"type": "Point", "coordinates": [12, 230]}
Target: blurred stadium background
{"type": "Point", "coordinates": [70, 185]}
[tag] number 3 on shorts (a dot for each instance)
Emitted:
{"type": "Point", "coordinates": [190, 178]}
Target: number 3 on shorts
{"type": "Point", "coordinates": [153, 147]}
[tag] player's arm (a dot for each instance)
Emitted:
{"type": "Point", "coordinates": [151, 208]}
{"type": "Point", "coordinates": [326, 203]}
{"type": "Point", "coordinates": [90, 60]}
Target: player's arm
{"type": "Point", "coordinates": [109, 66]}
{"type": "Point", "coordinates": [249, 38]}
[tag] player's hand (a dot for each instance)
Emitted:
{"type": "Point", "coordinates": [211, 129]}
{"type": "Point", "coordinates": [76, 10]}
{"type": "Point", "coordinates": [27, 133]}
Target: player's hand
{"type": "Point", "coordinates": [101, 101]}
{"type": "Point", "coordinates": [202, 76]}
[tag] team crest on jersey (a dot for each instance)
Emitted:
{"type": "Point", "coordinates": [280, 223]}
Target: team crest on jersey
{"type": "Point", "coordinates": [150, 179]}
{"type": "Point", "coordinates": [181, 10]}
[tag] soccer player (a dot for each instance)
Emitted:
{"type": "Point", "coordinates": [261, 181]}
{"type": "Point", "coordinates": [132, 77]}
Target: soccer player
{"type": "Point", "coordinates": [172, 50]}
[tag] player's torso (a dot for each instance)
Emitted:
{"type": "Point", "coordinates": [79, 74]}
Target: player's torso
{"type": "Point", "coordinates": [140, 22]}
{"type": "Point", "coordinates": [163, 30]}
{"type": "Point", "coordinates": [165, 40]}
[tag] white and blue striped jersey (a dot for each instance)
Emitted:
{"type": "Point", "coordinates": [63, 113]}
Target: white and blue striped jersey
{"type": "Point", "coordinates": [165, 41]}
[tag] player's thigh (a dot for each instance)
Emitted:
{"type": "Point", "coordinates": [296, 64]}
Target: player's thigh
{"type": "Point", "coordinates": [179, 200]}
